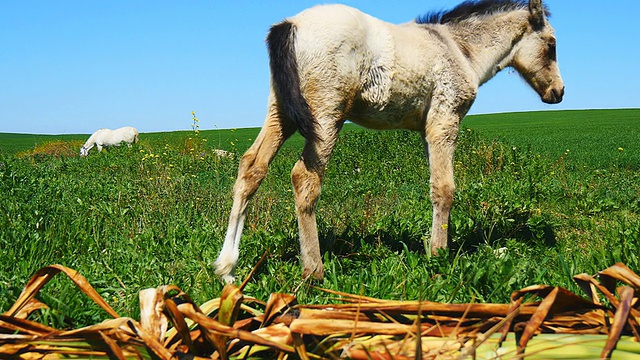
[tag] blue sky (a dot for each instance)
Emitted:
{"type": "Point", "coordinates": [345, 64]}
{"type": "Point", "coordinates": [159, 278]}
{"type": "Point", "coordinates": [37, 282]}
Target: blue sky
{"type": "Point", "coordinates": [74, 66]}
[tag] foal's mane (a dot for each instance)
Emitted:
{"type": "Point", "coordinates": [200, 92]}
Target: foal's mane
{"type": "Point", "coordinates": [473, 9]}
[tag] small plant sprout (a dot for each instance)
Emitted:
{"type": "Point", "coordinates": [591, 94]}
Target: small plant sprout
{"type": "Point", "coordinates": [196, 123]}
{"type": "Point", "coordinates": [194, 144]}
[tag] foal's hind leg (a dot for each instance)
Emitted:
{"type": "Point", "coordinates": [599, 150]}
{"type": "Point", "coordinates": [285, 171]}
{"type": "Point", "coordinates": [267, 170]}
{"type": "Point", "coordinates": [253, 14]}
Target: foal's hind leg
{"type": "Point", "coordinates": [251, 172]}
{"type": "Point", "coordinates": [307, 176]}
{"type": "Point", "coordinates": [440, 142]}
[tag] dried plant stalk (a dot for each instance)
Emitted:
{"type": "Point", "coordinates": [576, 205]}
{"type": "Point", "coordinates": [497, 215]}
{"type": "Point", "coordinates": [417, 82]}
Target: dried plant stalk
{"type": "Point", "coordinates": [358, 327]}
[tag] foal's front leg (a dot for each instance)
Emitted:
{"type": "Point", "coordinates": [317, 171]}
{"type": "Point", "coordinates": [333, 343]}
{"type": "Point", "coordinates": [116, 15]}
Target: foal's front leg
{"type": "Point", "coordinates": [440, 143]}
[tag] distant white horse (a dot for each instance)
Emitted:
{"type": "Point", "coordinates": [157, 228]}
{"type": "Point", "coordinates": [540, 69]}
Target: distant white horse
{"type": "Point", "coordinates": [332, 63]}
{"type": "Point", "coordinates": [106, 138]}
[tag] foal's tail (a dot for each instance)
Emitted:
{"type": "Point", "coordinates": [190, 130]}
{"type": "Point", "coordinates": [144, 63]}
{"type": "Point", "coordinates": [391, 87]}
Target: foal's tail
{"type": "Point", "coordinates": [286, 79]}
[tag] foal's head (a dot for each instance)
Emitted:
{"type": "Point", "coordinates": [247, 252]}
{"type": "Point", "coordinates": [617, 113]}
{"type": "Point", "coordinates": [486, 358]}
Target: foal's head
{"type": "Point", "coordinates": [535, 56]}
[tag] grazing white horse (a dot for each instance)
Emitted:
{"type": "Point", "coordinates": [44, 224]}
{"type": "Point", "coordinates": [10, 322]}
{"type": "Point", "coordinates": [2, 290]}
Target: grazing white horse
{"type": "Point", "coordinates": [106, 138]}
{"type": "Point", "coordinates": [332, 63]}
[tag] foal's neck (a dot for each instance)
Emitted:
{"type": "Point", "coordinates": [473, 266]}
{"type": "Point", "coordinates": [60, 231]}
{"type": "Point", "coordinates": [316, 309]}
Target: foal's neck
{"type": "Point", "coordinates": [488, 43]}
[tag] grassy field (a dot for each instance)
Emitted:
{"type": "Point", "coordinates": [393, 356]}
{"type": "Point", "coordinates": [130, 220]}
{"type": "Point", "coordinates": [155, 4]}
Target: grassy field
{"type": "Point", "coordinates": [527, 211]}
{"type": "Point", "coordinates": [593, 137]}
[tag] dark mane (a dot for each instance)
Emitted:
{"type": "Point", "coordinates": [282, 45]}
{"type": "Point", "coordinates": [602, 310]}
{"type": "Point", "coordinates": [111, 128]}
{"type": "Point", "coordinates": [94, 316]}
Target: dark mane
{"type": "Point", "coordinates": [473, 8]}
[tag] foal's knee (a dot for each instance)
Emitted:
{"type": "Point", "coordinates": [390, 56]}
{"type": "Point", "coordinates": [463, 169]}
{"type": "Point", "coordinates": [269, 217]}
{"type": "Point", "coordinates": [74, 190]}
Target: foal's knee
{"type": "Point", "coordinates": [250, 174]}
{"type": "Point", "coordinates": [442, 194]}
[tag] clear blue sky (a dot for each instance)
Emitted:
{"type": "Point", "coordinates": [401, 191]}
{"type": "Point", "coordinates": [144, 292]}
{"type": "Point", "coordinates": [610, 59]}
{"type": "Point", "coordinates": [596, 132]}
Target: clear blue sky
{"type": "Point", "coordinates": [74, 66]}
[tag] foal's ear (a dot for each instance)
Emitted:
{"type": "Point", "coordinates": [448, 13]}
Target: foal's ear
{"type": "Point", "coordinates": [537, 12]}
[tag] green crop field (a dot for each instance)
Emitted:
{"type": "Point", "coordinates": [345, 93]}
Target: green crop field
{"type": "Point", "coordinates": [593, 137]}
{"type": "Point", "coordinates": [541, 196]}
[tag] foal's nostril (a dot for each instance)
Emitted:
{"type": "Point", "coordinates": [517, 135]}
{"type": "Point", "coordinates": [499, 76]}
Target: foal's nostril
{"type": "Point", "coordinates": [558, 93]}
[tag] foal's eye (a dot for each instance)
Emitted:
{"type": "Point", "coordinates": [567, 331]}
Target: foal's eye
{"type": "Point", "coordinates": [551, 49]}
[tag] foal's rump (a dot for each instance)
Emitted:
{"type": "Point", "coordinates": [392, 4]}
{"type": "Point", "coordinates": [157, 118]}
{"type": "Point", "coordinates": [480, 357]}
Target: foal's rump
{"type": "Point", "coordinates": [342, 53]}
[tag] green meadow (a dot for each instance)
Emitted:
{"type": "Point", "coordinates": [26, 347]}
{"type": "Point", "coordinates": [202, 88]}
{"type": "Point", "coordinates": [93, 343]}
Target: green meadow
{"type": "Point", "coordinates": [593, 137]}
{"type": "Point", "coordinates": [541, 196]}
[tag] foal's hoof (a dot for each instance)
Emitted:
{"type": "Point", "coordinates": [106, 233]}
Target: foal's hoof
{"type": "Point", "coordinates": [228, 279]}
{"type": "Point", "coordinates": [436, 251]}
{"type": "Point", "coordinates": [225, 271]}
{"type": "Point", "coordinates": [316, 274]}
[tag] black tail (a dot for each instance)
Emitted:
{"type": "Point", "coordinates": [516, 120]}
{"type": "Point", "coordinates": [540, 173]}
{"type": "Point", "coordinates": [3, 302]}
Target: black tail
{"type": "Point", "coordinates": [286, 80]}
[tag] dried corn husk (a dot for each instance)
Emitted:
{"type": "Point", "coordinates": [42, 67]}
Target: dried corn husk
{"type": "Point", "coordinates": [559, 324]}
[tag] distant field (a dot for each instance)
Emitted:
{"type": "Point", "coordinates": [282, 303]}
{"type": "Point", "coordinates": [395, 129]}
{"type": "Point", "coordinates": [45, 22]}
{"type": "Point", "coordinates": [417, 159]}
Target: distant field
{"type": "Point", "coordinates": [594, 137]}
{"type": "Point", "coordinates": [223, 139]}
{"type": "Point", "coordinates": [14, 143]}
{"type": "Point", "coordinates": [599, 138]}
{"type": "Point", "coordinates": [526, 211]}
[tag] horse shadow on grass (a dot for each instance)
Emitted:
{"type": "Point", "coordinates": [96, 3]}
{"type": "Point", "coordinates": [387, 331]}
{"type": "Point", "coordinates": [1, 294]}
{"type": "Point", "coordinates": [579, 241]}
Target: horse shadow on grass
{"type": "Point", "coordinates": [497, 236]}
{"type": "Point", "coordinates": [351, 243]}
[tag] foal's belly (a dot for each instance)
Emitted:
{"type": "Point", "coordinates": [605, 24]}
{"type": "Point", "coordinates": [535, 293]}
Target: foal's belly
{"type": "Point", "coordinates": [389, 117]}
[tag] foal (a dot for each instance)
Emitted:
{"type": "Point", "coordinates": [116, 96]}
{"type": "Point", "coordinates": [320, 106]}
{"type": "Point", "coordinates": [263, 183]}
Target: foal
{"type": "Point", "coordinates": [333, 63]}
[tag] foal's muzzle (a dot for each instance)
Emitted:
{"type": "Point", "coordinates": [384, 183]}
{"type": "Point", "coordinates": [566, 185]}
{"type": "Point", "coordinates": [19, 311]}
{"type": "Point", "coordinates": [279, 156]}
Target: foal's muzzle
{"type": "Point", "coordinates": [554, 94]}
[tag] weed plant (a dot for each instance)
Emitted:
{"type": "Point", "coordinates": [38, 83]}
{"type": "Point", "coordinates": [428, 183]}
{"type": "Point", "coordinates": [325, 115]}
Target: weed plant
{"type": "Point", "coordinates": [156, 214]}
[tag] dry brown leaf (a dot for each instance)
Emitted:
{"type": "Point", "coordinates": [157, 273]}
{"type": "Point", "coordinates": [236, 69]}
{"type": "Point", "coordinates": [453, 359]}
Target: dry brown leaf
{"type": "Point", "coordinates": [359, 327]}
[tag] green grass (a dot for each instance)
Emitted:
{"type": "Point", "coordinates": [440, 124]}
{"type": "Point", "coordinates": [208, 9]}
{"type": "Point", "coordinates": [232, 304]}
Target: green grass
{"type": "Point", "coordinates": [596, 138]}
{"type": "Point", "coordinates": [526, 212]}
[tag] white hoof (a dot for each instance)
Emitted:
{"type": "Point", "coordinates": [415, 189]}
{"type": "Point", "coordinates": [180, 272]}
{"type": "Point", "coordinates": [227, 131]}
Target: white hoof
{"type": "Point", "coordinates": [225, 269]}
{"type": "Point", "coordinates": [229, 279]}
